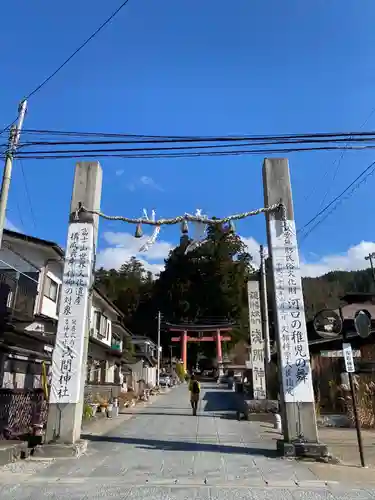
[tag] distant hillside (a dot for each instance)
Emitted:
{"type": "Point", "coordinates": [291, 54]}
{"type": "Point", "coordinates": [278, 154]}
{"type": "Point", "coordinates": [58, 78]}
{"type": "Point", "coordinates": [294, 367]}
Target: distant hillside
{"type": "Point", "coordinates": [324, 292]}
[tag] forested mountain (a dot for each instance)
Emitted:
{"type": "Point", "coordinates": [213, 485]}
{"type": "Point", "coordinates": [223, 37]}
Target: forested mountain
{"type": "Point", "coordinates": [324, 292]}
{"type": "Point", "coordinates": [209, 283]}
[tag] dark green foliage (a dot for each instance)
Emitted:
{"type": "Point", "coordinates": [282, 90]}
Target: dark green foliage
{"type": "Point", "coordinates": [325, 292]}
{"type": "Point", "coordinates": [208, 283]}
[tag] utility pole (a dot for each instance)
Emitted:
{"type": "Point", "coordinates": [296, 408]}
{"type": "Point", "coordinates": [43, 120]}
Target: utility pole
{"type": "Point", "coordinates": [14, 137]}
{"type": "Point", "coordinates": [264, 306]}
{"type": "Point", "coordinates": [370, 257]}
{"type": "Point", "coordinates": [159, 348]}
{"type": "Point", "coordinates": [296, 388]}
{"type": "Point", "coordinates": [69, 359]}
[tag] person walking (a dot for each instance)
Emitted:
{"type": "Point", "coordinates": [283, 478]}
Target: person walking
{"type": "Point", "coordinates": [195, 390]}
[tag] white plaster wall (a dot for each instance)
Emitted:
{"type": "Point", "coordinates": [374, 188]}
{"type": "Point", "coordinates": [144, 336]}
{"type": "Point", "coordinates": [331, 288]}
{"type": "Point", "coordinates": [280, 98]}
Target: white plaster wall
{"type": "Point", "coordinates": [37, 257]}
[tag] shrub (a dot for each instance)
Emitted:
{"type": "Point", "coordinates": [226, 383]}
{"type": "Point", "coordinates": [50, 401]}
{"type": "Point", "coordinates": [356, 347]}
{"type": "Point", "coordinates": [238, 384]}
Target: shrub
{"type": "Point", "coordinates": [88, 412]}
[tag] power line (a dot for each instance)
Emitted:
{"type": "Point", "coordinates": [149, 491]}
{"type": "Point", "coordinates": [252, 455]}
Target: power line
{"type": "Point", "coordinates": [28, 194]}
{"type": "Point", "coordinates": [330, 184]}
{"type": "Point", "coordinates": [155, 153]}
{"type": "Point", "coordinates": [349, 190]}
{"type": "Point", "coordinates": [338, 162]}
{"type": "Point", "coordinates": [208, 137]}
{"type": "Point", "coordinates": [231, 141]}
{"type": "Point", "coordinates": [57, 70]}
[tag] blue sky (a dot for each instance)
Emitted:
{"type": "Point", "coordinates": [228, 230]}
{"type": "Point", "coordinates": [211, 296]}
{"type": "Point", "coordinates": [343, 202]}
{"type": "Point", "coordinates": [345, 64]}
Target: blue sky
{"type": "Point", "coordinates": [202, 68]}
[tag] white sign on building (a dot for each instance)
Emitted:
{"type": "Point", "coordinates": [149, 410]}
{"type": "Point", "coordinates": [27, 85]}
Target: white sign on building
{"type": "Point", "coordinates": [256, 341]}
{"type": "Point", "coordinates": [291, 322]}
{"type": "Point", "coordinates": [72, 324]}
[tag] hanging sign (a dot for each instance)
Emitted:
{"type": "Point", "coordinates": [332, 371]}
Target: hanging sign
{"type": "Point", "coordinates": [72, 323]}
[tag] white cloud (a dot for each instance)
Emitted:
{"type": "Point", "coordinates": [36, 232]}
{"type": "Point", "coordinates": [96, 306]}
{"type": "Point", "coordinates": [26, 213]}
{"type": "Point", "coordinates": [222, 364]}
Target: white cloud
{"type": "Point", "coordinates": [253, 249]}
{"type": "Point", "coordinates": [144, 181]}
{"type": "Point", "coordinates": [9, 225]}
{"type": "Point", "coordinates": [119, 172]}
{"type": "Point", "coordinates": [122, 246]}
{"type": "Point", "coordinates": [351, 260]}
{"type": "Point", "coordinates": [149, 181]}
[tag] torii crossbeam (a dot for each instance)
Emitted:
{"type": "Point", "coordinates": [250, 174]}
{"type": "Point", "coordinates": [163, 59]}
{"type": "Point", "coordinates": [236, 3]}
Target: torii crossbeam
{"type": "Point", "coordinates": [183, 338]}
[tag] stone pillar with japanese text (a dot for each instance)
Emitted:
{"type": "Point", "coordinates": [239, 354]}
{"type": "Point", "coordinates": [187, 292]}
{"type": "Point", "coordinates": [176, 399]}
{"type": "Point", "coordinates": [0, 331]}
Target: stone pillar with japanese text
{"type": "Point", "coordinates": [257, 343]}
{"type": "Point", "coordinates": [69, 358]}
{"type": "Point", "coordinates": [296, 393]}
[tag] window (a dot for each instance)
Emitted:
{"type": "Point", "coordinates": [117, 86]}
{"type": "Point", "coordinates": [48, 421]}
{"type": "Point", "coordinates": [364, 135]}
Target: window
{"type": "Point", "coordinates": [51, 289]}
{"type": "Point", "coordinates": [10, 299]}
{"type": "Point", "coordinates": [103, 332]}
{"type": "Point", "coordinates": [101, 325]}
{"type": "Point", "coordinates": [97, 319]}
{"type": "Point", "coordinates": [58, 301]}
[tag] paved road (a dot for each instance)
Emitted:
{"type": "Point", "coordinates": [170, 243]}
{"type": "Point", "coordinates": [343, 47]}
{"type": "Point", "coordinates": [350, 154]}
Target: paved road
{"type": "Point", "coordinates": [165, 452]}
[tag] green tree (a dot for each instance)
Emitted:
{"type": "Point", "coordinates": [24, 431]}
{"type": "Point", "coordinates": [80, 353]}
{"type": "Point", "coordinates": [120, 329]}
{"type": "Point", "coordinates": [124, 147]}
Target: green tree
{"type": "Point", "coordinates": [208, 282]}
{"type": "Point", "coordinates": [130, 288]}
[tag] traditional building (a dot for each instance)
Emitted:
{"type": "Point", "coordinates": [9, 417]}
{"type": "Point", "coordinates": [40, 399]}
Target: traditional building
{"type": "Point", "coordinates": [31, 271]}
{"type": "Point", "coordinates": [145, 352]}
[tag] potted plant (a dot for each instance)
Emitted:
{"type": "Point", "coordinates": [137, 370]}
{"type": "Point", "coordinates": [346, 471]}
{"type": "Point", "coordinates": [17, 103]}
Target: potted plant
{"type": "Point", "coordinates": [102, 403]}
{"type": "Point", "coordinates": [109, 410]}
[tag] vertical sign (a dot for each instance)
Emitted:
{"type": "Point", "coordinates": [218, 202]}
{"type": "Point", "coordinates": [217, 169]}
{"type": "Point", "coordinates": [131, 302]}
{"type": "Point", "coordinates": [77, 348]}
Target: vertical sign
{"type": "Point", "coordinates": [290, 313]}
{"type": "Point", "coordinates": [256, 341]}
{"type": "Point", "coordinates": [348, 357]}
{"type": "Point", "coordinates": [72, 323]}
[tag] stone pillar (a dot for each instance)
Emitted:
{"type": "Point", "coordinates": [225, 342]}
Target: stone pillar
{"type": "Point", "coordinates": [296, 389]}
{"type": "Point", "coordinates": [184, 349]}
{"type": "Point", "coordinates": [69, 358]}
{"type": "Point", "coordinates": [256, 341]}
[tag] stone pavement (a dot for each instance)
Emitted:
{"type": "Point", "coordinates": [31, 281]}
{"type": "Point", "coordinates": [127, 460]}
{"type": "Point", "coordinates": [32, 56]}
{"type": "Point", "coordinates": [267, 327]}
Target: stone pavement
{"type": "Point", "coordinates": [343, 444]}
{"type": "Point", "coordinates": [166, 453]}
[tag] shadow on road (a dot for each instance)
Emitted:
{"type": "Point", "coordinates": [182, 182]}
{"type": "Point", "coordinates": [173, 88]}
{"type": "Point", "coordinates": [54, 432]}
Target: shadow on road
{"type": "Point", "coordinates": [156, 444]}
{"type": "Point", "coordinates": [161, 413]}
{"type": "Point", "coordinates": [220, 400]}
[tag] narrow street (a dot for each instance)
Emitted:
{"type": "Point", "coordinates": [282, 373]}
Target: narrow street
{"type": "Point", "coordinates": [165, 452]}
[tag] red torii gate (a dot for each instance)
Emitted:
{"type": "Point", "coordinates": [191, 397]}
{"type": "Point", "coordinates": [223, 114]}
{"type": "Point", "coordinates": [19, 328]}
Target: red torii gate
{"type": "Point", "coordinates": [184, 338]}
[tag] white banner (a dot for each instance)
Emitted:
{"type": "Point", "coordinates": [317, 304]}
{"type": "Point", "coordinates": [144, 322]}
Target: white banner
{"type": "Point", "coordinates": [256, 341]}
{"type": "Point", "coordinates": [72, 324]}
{"type": "Point", "coordinates": [294, 357]}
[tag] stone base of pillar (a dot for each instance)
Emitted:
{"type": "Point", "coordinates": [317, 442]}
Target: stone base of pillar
{"type": "Point", "coordinates": [303, 449]}
{"type": "Point", "coordinates": [61, 450]}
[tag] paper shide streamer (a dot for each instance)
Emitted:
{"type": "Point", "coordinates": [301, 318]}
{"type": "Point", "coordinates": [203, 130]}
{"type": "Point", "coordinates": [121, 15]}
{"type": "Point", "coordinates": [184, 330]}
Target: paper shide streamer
{"type": "Point", "coordinates": [199, 232]}
{"type": "Point", "coordinates": [148, 244]}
